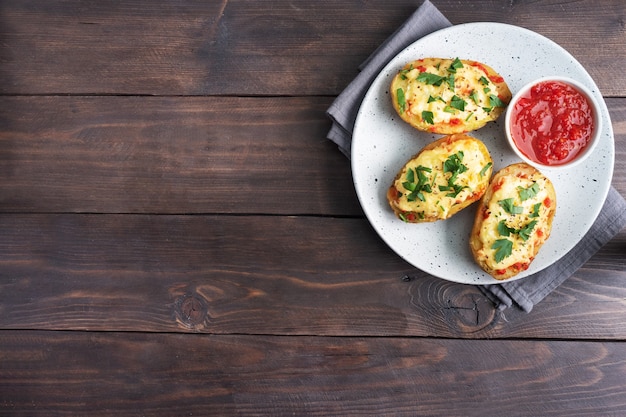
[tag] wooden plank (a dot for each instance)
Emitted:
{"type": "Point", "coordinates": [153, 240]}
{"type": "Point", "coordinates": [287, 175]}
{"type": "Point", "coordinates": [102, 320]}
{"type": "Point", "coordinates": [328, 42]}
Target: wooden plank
{"type": "Point", "coordinates": [184, 155]}
{"type": "Point", "coordinates": [128, 374]}
{"type": "Point", "coordinates": [227, 48]}
{"type": "Point", "coordinates": [266, 275]}
{"type": "Point", "coordinates": [171, 154]}
{"type": "Point", "coordinates": [562, 22]}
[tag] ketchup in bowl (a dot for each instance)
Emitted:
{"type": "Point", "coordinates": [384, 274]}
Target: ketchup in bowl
{"type": "Point", "coordinates": [552, 122]}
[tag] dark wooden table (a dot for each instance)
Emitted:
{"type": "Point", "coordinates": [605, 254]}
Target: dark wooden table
{"type": "Point", "coordinates": [179, 238]}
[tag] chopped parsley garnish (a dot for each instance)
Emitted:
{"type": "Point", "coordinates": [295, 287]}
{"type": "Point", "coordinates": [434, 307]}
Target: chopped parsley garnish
{"type": "Point", "coordinates": [494, 101]}
{"type": "Point", "coordinates": [404, 72]}
{"type": "Point", "coordinates": [450, 81]}
{"type": "Point", "coordinates": [401, 100]}
{"type": "Point", "coordinates": [503, 247]}
{"type": "Point", "coordinates": [530, 192]}
{"type": "Point", "coordinates": [508, 206]}
{"type": "Point", "coordinates": [504, 230]}
{"type": "Point", "coordinates": [454, 166]}
{"type": "Point", "coordinates": [430, 79]}
{"type": "Point", "coordinates": [417, 183]}
{"type": "Point", "coordinates": [454, 189]}
{"type": "Point", "coordinates": [436, 80]}
{"type": "Point", "coordinates": [432, 99]}
{"type": "Point", "coordinates": [474, 96]}
{"type": "Point", "coordinates": [427, 116]}
{"type": "Point", "coordinates": [456, 64]}
{"type": "Point", "coordinates": [524, 233]}
{"type": "Point", "coordinates": [457, 103]}
{"type": "Point", "coordinates": [485, 168]}
{"type": "Point", "coordinates": [536, 208]}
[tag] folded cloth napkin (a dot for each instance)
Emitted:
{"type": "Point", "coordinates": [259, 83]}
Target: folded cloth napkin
{"type": "Point", "coordinates": [524, 293]}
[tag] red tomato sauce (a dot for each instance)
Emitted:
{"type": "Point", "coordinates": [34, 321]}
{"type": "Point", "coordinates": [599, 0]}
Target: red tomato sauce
{"type": "Point", "coordinates": [552, 123]}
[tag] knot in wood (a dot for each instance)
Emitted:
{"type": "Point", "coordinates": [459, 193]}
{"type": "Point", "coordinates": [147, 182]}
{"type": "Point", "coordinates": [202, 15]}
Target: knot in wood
{"type": "Point", "coordinates": [460, 309]}
{"type": "Point", "coordinates": [468, 310]}
{"type": "Point", "coordinates": [191, 310]}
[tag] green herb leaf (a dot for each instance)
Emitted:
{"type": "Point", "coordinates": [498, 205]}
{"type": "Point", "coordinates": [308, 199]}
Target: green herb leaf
{"type": "Point", "coordinates": [410, 175]}
{"type": "Point", "coordinates": [483, 80]}
{"type": "Point", "coordinates": [536, 208]}
{"type": "Point", "coordinates": [449, 109]}
{"type": "Point", "coordinates": [420, 172]}
{"type": "Point", "coordinates": [404, 72]}
{"type": "Point", "coordinates": [503, 247]}
{"type": "Point", "coordinates": [456, 189]}
{"type": "Point", "coordinates": [417, 187]}
{"type": "Point", "coordinates": [454, 163]}
{"type": "Point", "coordinates": [409, 186]}
{"type": "Point", "coordinates": [454, 166]}
{"type": "Point", "coordinates": [494, 101]}
{"type": "Point", "coordinates": [401, 100]}
{"type": "Point", "coordinates": [474, 96]}
{"type": "Point", "coordinates": [504, 230]}
{"type": "Point", "coordinates": [508, 205]}
{"type": "Point", "coordinates": [432, 99]}
{"type": "Point", "coordinates": [430, 79]}
{"type": "Point", "coordinates": [457, 102]}
{"type": "Point", "coordinates": [427, 116]}
{"type": "Point", "coordinates": [530, 192]}
{"type": "Point", "coordinates": [485, 168]}
{"type": "Point", "coordinates": [450, 81]}
{"type": "Point", "coordinates": [524, 233]}
{"type": "Point", "coordinates": [456, 64]}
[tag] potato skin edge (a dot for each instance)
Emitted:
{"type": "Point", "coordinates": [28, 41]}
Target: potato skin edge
{"type": "Point", "coordinates": [446, 129]}
{"type": "Point", "coordinates": [391, 192]}
{"type": "Point", "coordinates": [475, 243]}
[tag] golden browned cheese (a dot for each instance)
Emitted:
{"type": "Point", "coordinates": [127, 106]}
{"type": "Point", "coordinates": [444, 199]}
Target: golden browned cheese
{"type": "Point", "coordinates": [513, 220]}
{"type": "Point", "coordinates": [442, 179]}
{"type": "Point", "coordinates": [448, 96]}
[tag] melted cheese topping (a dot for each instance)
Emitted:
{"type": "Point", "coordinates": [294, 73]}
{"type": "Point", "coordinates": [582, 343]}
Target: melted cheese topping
{"type": "Point", "coordinates": [523, 251]}
{"type": "Point", "coordinates": [436, 203]}
{"type": "Point", "coordinates": [472, 86]}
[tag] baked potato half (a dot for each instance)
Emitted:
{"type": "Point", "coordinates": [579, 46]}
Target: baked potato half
{"type": "Point", "coordinates": [448, 96]}
{"type": "Point", "coordinates": [513, 220]}
{"type": "Point", "coordinates": [446, 176]}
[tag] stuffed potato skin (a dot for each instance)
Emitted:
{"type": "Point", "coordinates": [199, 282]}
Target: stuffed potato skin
{"type": "Point", "coordinates": [513, 220]}
{"type": "Point", "coordinates": [445, 177]}
{"type": "Point", "coordinates": [448, 96]}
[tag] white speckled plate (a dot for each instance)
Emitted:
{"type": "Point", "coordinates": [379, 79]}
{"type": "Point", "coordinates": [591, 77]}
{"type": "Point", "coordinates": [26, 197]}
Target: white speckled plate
{"type": "Point", "coordinates": [382, 143]}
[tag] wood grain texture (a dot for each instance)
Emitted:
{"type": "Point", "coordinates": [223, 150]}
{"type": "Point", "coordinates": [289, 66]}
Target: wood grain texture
{"type": "Point", "coordinates": [180, 238]}
{"type": "Point", "coordinates": [266, 275]}
{"type": "Point", "coordinates": [171, 155]}
{"type": "Point", "coordinates": [152, 375]}
{"type": "Point", "coordinates": [185, 155]}
{"type": "Point", "coordinates": [229, 48]}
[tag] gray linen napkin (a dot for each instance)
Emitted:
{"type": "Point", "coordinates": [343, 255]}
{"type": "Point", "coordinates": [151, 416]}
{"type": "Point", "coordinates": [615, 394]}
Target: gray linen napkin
{"type": "Point", "coordinates": [524, 293]}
